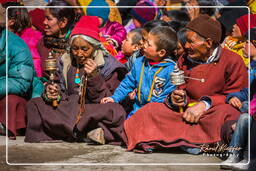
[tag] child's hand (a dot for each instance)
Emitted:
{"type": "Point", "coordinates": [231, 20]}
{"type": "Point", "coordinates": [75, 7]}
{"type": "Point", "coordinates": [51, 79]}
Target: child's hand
{"type": "Point", "coordinates": [107, 100]}
{"type": "Point", "coordinates": [234, 101]}
{"type": "Point", "coordinates": [132, 94]}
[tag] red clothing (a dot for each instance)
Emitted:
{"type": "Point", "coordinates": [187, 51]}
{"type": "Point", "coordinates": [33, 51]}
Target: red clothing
{"type": "Point", "coordinates": [157, 125]}
{"type": "Point", "coordinates": [16, 113]}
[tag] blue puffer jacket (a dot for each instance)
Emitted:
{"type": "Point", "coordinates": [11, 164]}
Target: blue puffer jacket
{"type": "Point", "coordinates": [21, 74]}
{"type": "Point", "coordinates": [161, 88]}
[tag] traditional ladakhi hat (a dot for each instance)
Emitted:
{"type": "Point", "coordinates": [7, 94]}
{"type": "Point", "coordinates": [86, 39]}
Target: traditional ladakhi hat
{"type": "Point", "coordinates": [243, 23]}
{"type": "Point", "coordinates": [87, 25]}
{"type": "Point", "coordinates": [206, 27]}
{"type": "Point", "coordinates": [144, 15]}
{"type": "Point", "coordinates": [37, 17]}
{"type": "Point", "coordinates": [99, 12]}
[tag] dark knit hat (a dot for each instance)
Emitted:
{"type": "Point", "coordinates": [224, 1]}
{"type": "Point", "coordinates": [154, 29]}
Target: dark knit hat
{"type": "Point", "coordinates": [87, 25]}
{"type": "Point", "coordinates": [243, 23]}
{"type": "Point", "coordinates": [206, 27]}
{"type": "Point", "coordinates": [37, 17]}
{"type": "Point", "coordinates": [144, 15]}
{"type": "Point", "coordinates": [228, 18]}
{"type": "Point", "coordinates": [99, 12]}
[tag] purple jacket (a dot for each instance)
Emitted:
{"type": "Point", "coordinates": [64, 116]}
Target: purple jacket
{"type": "Point", "coordinates": [115, 30]}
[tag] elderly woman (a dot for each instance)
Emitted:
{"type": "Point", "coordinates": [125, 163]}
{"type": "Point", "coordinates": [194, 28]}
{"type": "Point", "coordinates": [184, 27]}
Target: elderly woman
{"type": "Point", "coordinates": [90, 66]}
{"type": "Point", "coordinates": [163, 125]}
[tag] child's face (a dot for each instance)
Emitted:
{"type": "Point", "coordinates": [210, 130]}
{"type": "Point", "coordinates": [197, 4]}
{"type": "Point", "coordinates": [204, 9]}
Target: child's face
{"type": "Point", "coordinates": [252, 54]}
{"type": "Point", "coordinates": [179, 51]}
{"type": "Point", "coordinates": [150, 49]}
{"type": "Point", "coordinates": [236, 31]}
{"type": "Point", "coordinates": [127, 47]}
{"type": "Point", "coordinates": [136, 23]}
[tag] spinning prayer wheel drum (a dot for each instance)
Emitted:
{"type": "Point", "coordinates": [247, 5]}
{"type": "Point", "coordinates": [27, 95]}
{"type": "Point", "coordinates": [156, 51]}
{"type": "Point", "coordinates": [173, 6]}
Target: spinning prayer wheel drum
{"type": "Point", "coordinates": [51, 67]}
{"type": "Point", "coordinates": [177, 76]}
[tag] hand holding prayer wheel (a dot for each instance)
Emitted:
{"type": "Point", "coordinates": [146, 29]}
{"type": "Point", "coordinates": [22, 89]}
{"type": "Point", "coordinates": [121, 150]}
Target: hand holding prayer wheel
{"type": "Point", "coordinates": [51, 89]}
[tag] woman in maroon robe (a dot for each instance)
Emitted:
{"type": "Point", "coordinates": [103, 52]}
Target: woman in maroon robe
{"type": "Point", "coordinates": [103, 74]}
{"type": "Point", "coordinates": [162, 125]}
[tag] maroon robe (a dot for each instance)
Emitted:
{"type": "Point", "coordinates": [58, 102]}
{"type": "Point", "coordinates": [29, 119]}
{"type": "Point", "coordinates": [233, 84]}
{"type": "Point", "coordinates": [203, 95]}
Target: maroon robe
{"type": "Point", "coordinates": [16, 113]}
{"type": "Point", "coordinates": [156, 124]}
{"type": "Point", "coordinates": [46, 123]}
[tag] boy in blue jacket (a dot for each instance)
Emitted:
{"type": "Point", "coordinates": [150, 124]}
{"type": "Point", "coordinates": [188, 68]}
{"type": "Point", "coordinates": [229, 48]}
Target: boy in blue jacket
{"type": "Point", "coordinates": [150, 74]}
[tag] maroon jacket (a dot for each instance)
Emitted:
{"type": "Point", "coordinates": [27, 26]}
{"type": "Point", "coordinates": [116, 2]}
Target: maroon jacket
{"type": "Point", "coordinates": [226, 75]}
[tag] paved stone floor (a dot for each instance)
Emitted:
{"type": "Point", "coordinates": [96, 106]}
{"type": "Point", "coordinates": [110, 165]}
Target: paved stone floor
{"type": "Point", "coordinates": [82, 154]}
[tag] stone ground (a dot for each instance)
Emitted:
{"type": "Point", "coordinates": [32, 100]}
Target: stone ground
{"type": "Point", "coordinates": [80, 154]}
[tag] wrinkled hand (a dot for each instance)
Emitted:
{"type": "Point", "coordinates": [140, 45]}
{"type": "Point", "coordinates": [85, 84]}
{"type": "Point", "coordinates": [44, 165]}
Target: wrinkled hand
{"type": "Point", "coordinates": [107, 100]}
{"type": "Point", "coordinates": [52, 91]}
{"type": "Point", "coordinates": [235, 102]}
{"type": "Point", "coordinates": [193, 114]}
{"type": "Point", "coordinates": [178, 97]}
{"type": "Point", "coordinates": [90, 67]}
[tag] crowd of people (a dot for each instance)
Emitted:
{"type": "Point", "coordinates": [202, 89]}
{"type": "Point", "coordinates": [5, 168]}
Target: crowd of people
{"type": "Point", "coordinates": [111, 78]}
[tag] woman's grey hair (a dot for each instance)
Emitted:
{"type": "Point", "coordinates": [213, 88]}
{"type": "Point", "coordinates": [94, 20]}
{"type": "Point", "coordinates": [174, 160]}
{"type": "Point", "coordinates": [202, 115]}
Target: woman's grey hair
{"type": "Point", "coordinates": [95, 43]}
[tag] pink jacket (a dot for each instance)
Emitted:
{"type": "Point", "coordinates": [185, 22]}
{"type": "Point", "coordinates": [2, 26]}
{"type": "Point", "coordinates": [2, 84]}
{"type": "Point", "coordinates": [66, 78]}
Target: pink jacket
{"type": "Point", "coordinates": [31, 37]}
{"type": "Point", "coordinates": [115, 30]}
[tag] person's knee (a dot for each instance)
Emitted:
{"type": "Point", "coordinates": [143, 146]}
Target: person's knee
{"type": "Point", "coordinates": [244, 119]}
{"type": "Point", "coordinates": [15, 99]}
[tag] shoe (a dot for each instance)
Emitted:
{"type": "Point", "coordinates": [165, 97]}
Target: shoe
{"type": "Point", "coordinates": [97, 135]}
{"type": "Point", "coordinates": [229, 162]}
{"type": "Point", "coordinates": [241, 165]}
{"type": "Point", "coordinates": [2, 129]}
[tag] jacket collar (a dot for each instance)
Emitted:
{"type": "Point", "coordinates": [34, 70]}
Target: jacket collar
{"type": "Point", "coordinates": [163, 63]}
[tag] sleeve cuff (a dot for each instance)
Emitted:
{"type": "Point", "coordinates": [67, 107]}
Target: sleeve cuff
{"type": "Point", "coordinates": [207, 101]}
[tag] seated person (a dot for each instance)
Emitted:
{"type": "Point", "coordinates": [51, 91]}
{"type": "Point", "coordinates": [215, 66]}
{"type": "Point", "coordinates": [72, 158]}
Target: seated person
{"type": "Point", "coordinates": [149, 74]}
{"type": "Point", "coordinates": [89, 73]}
{"type": "Point", "coordinates": [22, 81]}
{"type": "Point", "coordinates": [216, 72]}
{"type": "Point", "coordinates": [131, 48]}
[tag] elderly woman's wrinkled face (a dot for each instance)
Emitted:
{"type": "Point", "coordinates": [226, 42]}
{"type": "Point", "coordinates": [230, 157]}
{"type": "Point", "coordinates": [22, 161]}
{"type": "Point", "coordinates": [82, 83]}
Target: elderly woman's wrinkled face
{"type": "Point", "coordinates": [196, 47]}
{"type": "Point", "coordinates": [81, 50]}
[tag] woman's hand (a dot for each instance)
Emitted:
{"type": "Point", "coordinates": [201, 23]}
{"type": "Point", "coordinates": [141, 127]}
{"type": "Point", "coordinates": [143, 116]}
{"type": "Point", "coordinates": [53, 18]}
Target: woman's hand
{"type": "Point", "coordinates": [178, 98]}
{"type": "Point", "coordinates": [107, 100]}
{"type": "Point", "coordinates": [193, 114]}
{"type": "Point", "coordinates": [90, 67]}
{"type": "Point", "coordinates": [52, 91]}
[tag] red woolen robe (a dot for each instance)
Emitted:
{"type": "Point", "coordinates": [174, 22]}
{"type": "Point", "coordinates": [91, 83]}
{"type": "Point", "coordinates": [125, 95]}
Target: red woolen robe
{"type": "Point", "coordinates": [156, 125]}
